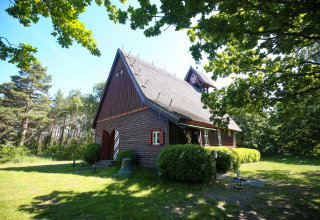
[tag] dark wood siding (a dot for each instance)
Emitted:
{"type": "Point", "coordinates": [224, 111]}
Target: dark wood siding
{"type": "Point", "coordinates": [121, 95]}
{"type": "Point", "coordinates": [119, 65]}
{"type": "Point", "coordinates": [134, 129]}
{"type": "Point", "coordinates": [225, 139]}
{"type": "Point", "coordinates": [202, 138]}
{"type": "Point", "coordinates": [213, 138]}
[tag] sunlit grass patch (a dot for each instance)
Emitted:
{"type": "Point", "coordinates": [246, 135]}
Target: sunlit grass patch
{"type": "Point", "coordinates": [53, 190]}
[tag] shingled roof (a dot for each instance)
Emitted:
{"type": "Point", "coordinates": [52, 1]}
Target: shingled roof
{"type": "Point", "coordinates": [185, 99]}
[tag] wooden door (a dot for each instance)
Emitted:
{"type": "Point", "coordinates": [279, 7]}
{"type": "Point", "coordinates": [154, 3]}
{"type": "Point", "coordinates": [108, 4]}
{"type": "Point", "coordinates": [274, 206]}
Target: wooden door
{"type": "Point", "coordinates": [105, 146]}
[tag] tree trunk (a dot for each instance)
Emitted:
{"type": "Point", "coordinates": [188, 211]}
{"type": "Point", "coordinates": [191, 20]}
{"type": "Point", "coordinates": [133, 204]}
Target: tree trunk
{"type": "Point", "coordinates": [26, 121]}
{"type": "Point", "coordinates": [70, 131]}
{"type": "Point", "coordinates": [4, 131]}
{"type": "Point", "coordinates": [24, 131]}
{"type": "Point", "coordinates": [39, 140]}
{"type": "Point", "coordinates": [57, 133]}
{"type": "Point", "coordinates": [63, 127]}
{"type": "Point", "coordinates": [51, 130]}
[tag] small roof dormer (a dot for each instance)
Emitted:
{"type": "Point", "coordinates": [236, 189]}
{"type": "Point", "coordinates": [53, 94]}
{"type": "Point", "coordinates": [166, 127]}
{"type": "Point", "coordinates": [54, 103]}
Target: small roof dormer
{"type": "Point", "coordinates": [198, 79]}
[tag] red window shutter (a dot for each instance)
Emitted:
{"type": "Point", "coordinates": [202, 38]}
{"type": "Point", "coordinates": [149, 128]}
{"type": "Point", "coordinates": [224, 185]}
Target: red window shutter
{"type": "Point", "coordinates": [161, 137]}
{"type": "Point", "coordinates": [150, 138]}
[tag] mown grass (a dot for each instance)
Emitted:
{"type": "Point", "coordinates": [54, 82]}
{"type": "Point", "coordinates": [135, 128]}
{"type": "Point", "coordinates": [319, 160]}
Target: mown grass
{"type": "Point", "coordinates": [53, 190]}
{"type": "Point", "coordinates": [285, 169]}
{"type": "Point", "coordinates": [293, 186]}
{"type": "Point", "coordinates": [58, 192]}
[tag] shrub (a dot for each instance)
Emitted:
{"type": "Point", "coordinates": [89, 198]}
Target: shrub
{"type": "Point", "coordinates": [126, 154]}
{"type": "Point", "coordinates": [54, 149]}
{"type": "Point", "coordinates": [78, 151]}
{"type": "Point", "coordinates": [9, 153]}
{"type": "Point", "coordinates": [186, 163]}
{"type": "Point", "coordinates": [91, 153]}
{"type": "Point", "coordinates": [248, 155]}
{"type": "Point", "coordinates": [228, 159]}
{"type": "Point", "coordinates": [46, 142]}
{"type": "Point", "coordinates": [33, 146]}
{"type": "Point", "coordinates": [74, 150]}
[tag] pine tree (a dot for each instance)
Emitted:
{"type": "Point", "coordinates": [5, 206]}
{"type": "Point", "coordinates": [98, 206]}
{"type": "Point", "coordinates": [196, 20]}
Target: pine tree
{"type": "Point", "coordinates": [24, 102]}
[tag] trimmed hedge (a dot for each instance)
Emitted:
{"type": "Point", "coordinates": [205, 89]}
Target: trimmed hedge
{"type": "Point", "coordinates": [186, 163]}
{"type": "Point", "coordinates": [126, 154]}
{"type": "Point", "coordinates": [91, 153]}
{"type": "Point", "coordinates": [248, 155]}
{"type": "Point", "coordinates": [228, 159]}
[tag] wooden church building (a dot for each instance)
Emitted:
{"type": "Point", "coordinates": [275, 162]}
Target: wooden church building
{"type": "Point", "coordinates": [144, 108]}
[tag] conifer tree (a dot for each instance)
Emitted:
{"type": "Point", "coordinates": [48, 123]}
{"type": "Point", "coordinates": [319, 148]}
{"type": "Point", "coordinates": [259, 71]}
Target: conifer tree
{"type": "Point", "coordinates": [24, 101]}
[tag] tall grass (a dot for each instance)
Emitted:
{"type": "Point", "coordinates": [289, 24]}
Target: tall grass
{"type": "Point", "coordinates": [14, 154]}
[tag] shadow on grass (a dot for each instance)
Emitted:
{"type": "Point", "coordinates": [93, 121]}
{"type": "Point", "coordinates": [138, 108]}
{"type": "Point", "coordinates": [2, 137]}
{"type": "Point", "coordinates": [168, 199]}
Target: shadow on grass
{"type": "Point", "coordinates": [64, 169]}
{"type": "Point", "coordinates": [293, 195]}
{"type": "Point", "coordinates": [140, 196]}
{"type": "Point", "coordinates": [137, 196]}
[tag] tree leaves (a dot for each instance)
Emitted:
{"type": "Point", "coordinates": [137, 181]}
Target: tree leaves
{"type": "Point", "coordinates": [270, 47]}
{"type": "Point", "coordinates": [21, 55]}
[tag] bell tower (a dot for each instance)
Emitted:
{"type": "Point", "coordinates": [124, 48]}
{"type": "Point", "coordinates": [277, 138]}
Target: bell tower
{"type": "Point", "coordinates": [199, 80]}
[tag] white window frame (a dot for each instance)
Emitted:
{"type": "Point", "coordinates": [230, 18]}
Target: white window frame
{"type": "Point", "coordinates": [206, 137]}
{"type": "Point", "coordinates": [156, 138]}
{"type": "Point", "coordinates": [219, 137]}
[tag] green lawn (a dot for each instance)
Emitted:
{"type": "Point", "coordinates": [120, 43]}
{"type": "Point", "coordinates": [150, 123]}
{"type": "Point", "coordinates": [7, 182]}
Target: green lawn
{"type": "Point", "coordinates": [53, 190]}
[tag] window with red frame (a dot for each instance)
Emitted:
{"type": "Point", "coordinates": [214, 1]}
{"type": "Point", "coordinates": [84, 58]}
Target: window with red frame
{"type": "Point", "coordinates": [155, 137]}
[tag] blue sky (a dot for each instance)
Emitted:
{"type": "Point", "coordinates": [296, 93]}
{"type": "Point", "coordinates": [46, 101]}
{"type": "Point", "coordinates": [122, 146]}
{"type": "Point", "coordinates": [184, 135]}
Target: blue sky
{"type": "Point", "coordinates": [76, 68]}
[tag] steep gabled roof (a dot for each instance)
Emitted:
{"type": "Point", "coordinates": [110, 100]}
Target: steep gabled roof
{"type": "Point", "coordinates": [203, 78]}
{"type": "Point", "coordinates": [185, 99]}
